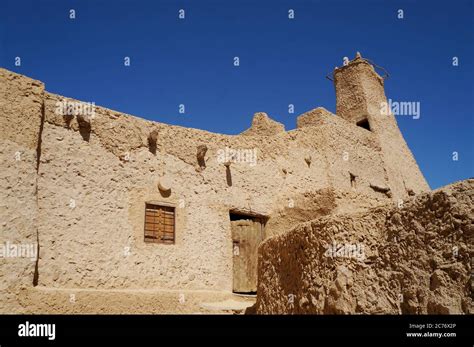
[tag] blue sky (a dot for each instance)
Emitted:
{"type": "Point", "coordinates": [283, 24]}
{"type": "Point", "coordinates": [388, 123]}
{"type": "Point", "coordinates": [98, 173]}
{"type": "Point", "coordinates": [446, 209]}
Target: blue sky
{"type": "Point", "coordinates": [282, 62]}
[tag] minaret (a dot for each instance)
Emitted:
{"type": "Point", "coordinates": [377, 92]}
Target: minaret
{"type": "Point", "coordinates": [360, 94]}
{"type": "Point", "coordinates": [361, 100]}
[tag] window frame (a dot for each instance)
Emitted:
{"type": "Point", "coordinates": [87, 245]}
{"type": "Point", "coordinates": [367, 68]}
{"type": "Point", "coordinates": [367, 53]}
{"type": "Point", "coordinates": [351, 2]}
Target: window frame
{"type": "Point", "coordinates": [149, 236]}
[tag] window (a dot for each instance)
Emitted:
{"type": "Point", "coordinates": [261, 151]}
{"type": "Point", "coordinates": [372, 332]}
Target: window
{"type": "Point", "coordinates": [364, 123]}
{"type": "Point", "coordinates": [159, 224]}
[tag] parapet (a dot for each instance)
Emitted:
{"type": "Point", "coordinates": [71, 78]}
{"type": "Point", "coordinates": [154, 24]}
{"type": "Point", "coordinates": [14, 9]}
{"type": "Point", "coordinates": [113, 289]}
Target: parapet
{"type": "Point", "coordinates": [264, 126]}
{"type": "Point", "coordinates": [313, 117]}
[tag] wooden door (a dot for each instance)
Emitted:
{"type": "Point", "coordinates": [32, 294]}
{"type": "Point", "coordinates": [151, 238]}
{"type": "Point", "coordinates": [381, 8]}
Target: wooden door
{"type": "Point", "coordinates": [246, 236]}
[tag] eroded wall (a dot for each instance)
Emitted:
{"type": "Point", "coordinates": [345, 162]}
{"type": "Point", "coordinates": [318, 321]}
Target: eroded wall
{"type": "Point", "coordinates": [360, 95]}
{"type": "Point", "coordinates": [99, 242]}
{"type": "Point", "coordinates": [86, 204]}
{"type": "Point", "coordinates": [412, 259]}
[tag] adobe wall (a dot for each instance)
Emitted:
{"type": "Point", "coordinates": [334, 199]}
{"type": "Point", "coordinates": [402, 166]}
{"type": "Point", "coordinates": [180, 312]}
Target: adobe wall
{"type": "Point", "coordinates": [110, 193]}
{"type": "Point", "coordinates": [21, 102]}
{"type": "Point", "coordinates": [360, 94]}
{"type": "Point", "coordinates": [86, 204]}
{"type": "Point", "coordinates": [411, 260]}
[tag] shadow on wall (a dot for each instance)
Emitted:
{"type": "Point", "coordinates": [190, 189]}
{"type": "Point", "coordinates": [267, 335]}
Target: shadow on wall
{"type": "Point", "coordinates": [228, 175]}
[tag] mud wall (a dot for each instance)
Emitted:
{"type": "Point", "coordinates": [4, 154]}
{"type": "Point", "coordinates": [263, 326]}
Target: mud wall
{"type": "Point", "coordinates": [412, 259]}
{"type": "Point", "coordinates": [21, 103]}
{"type": "Point", "coordinates": [86, 204]}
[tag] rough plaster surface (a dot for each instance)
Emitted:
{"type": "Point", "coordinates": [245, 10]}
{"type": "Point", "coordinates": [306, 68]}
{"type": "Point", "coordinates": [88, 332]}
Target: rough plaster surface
{"type": "Point", "coordinates": [360, 94]}
{"type": "Point", "coordinates": [129, 301]}
{"type": "Point", "coordinates": [84, 180]}
{"type": "Point", "coordinates": [21, 102]}
{"type": "Point", "coordinates": [417, 260]}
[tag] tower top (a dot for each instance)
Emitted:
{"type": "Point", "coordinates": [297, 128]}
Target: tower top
{"type": "Point", "coordinates": [359, 91]}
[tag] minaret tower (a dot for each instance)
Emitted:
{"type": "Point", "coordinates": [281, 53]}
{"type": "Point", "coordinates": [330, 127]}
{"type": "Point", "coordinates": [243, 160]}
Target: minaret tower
{"type": "Point", "coordinates": [361, 100]}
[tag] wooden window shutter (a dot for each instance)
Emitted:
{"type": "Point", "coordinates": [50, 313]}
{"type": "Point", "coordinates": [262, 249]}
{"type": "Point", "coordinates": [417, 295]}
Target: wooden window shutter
{"type": "Point", "coordinates": [159, 224]}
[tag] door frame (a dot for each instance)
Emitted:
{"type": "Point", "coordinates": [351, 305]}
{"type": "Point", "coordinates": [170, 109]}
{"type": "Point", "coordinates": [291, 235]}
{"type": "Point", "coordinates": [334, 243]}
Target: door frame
{"type": "Point", "coordinates": [239, 214]}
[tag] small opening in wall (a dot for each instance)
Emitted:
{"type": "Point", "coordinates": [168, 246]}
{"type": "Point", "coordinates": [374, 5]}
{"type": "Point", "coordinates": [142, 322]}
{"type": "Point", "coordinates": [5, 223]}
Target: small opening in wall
{"type": "Point", "coordinates": [364, 123]}
{"type": "Point", "coordinates": [239, 216]}
{"type": "Point", "coordinates": [159, 224]}
{"type": "Point", "coordinates": [353, 180]}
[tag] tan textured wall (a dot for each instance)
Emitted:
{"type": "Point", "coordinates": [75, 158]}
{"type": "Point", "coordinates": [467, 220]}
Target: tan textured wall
{"type": "Point", "coordinates": [84, 246]}
{"type": "Point", "coordinates": [21, 102]}
{"type": "Point", "coordinates": [92, 186]}
{"type": "Point", "coordinates": [132, 301]}
{"type": "Point", "coordinates": [360, 94]}
{"type": "Point", "coordinates": [416, 260]}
